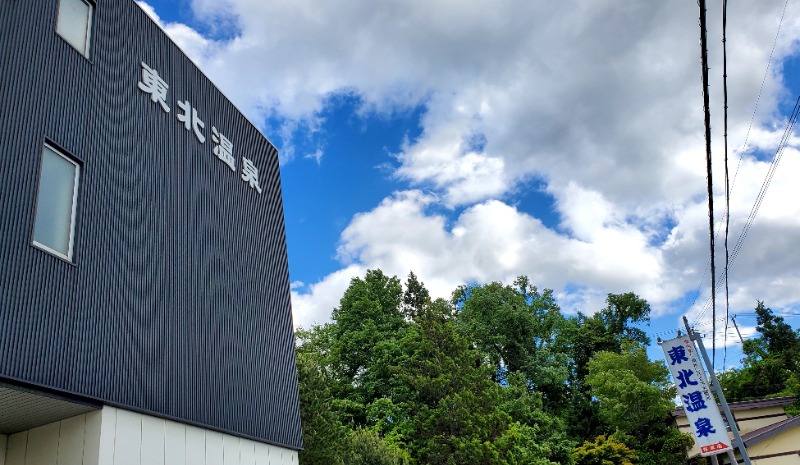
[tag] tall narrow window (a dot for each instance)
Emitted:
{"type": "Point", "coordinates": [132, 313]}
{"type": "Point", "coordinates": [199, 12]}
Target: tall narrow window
{"type": "Point", "coordinates": [54, 226]}
{"type": "Point", "coordinates": [75, 23]}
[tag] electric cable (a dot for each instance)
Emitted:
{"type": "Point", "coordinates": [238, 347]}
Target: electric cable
{"type": "Point", "coordinates": [760, 91]}
{"type": "Point", "coordinates": [709, 174]}
{"type": "Point", "coordinates": [742, 151]}
{"type": "Point", "coordinates": [727, 181]}
{"type": "Point", "coordinates": [788, 131]}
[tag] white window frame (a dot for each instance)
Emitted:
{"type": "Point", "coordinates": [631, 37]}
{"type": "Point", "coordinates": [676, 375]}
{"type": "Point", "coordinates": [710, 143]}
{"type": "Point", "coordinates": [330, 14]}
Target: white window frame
{"type": "Point", "coordinates": [89, 21]}
{"type": "Point", "coordinates": [73, 211]}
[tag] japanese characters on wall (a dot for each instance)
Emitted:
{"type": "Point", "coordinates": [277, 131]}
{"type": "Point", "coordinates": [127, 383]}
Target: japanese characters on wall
{"type": "Point", "coordinates": [147, 210]}
{"type": "Point", "coordinates": [154, 85]}
{"type": "Point", "coordinates": [709, 430]}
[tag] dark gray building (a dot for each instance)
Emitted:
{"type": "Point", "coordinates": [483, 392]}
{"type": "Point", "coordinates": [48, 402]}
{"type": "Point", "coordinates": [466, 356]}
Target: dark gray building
{"type": "Point", "coordinates": [144, 292]}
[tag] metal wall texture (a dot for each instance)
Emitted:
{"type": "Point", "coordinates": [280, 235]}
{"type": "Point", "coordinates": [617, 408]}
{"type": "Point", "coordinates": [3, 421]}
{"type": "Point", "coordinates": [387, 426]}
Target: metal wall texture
{"type": "Point", "coordinates": [177, 302]}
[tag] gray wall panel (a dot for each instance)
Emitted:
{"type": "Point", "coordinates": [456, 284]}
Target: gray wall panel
{"type": "Point", "coordinates": [177, 302]}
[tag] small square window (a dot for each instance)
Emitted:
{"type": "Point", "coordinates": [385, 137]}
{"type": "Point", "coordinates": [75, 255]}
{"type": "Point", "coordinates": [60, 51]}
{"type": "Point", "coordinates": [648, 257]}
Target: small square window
{"type": "Point", "coordinates": [75, 23]}
{"type": "Point", "coordinates": [54, 226]}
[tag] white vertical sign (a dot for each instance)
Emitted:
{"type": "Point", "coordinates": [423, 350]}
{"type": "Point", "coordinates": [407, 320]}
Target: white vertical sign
{"type": "Point", "coordinates": [709, 431]}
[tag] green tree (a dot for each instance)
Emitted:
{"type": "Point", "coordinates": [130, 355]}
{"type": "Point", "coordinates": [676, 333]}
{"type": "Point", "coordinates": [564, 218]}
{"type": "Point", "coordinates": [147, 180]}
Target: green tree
{"type": "Point", "coordinates": [368, 448]}
{"type": "Point", "coordinates": [516, 327]}
{"type": "Point", "coordinates": [621, 312]}
{"type": "Point", "coordinates": [452, 410]}
{"type": "Point", "coordinates": [521, 445]}
{"type": "Point", "coordinates": [544, 429]}
{"type": "Point", "coordinates": [497, 375]}
{"type": "Point", "coordinates": [582, 338]}
{"type": "Point", "coordinates": [633, 391]}
{"type": "Point", "coordinates": [771, 361]}
{"type": "Point", "coordinates": [605, 451]}
{"type": "Point", "coordinates": [451, 396]}
{"type": "Point", "coordinates": [780, 341]}
{"type": "Point", "coordinates": [635, 401]}
{"type": "Point", "coordinates": [415, 298]}
{"type": "Point", "coordinates": [364, 336]}
{"type": "Point", "coordinates": [325, 439]}
{"type": "Point", "coordinates": [606, 330]}
{"type": "Point", "coordinates": [368, 313]}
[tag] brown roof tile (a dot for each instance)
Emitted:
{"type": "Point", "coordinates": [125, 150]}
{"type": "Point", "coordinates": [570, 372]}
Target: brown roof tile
{"type": "Point", "coordinates": [749, 404]}
{"type": "Point", "coordinates": [769, 431]}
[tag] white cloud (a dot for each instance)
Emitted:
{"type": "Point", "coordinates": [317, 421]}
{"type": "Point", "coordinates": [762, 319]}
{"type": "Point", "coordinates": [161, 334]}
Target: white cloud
{"type": "Point", "coordinates": [197, 47]}
{"type": "Point", "coordinates": [315, 305]}
{"type": "Point", "coordinates": [495, 241]}
{"type": "Point", "coordinates": [599, 100]}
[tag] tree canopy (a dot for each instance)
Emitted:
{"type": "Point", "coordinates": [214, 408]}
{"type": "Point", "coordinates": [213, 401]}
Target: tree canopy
{"type": "Point", "coordinates": [771, 361]}
{"type": "Point", "coordinates": [496, 375]}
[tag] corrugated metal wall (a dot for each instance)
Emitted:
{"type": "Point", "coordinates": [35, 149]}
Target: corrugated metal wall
{"type": "Point", "coordinates": [178, 299]}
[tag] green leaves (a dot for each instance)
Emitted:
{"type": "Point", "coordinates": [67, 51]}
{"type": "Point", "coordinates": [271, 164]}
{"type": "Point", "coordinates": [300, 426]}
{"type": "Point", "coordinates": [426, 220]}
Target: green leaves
{"type": "Point", "coordinates": [516, 329]}
{"type": "Point", "coordinates": [633, 391]}
{"type": "Point", "coordinates": [495, 376]}
{"type": "Point", "coordinates": [771, 361]}
{"type": "Point", "coordinates": [635, 400]}
{"type": "Point", "coordinates": [369, 312]}
{"type": "Point", "coordinates": [368, 448]}
{"type": "Point", "coordinates": [605, 451]}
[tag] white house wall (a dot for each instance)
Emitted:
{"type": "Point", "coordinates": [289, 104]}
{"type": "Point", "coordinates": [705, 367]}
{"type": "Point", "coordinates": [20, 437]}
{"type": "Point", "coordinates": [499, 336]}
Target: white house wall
{"type": "Point", "coordinates": [113, 436]}
{"type": "Point", "coordinates": [68, 441]}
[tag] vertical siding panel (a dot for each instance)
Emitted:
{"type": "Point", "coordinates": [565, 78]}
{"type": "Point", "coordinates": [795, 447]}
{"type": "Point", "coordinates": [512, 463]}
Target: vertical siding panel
{"type": "Point", "coordinates": [3, 442]}
{"type": "Point", "coordinates": [92, 431]}
{"type": "Point", "coordinates": [262, 454]}
{"type": "Point", "coordinates": [248, 453]}
{"type": "Point", "coordinates": [71, 440]}
{"type": "Point", "coordinates": [128, 438]}
{"type": "Point", "coordinates": [153, 440]}
{"type": "Point", "coordinates": [214, 449]}
{"type": "Point", "coordinates": [42, 447]}
{"type": "Point", "coordinates": [195, 446]}
{"type": "Point", "coordinates": [231, 450]}
{"type": "Point", "coordinates": [108, 436]}
{"type": "Point", "coordinates": [17, 446]}
{"type": "Point", "coordinates": [175, 444]}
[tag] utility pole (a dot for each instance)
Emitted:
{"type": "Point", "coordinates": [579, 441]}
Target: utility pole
{"type": "Point", "coordinates": [707, 121]}
{"type": "Point", "coordinates": [737, 438]}
{"type": "Point", "coordinates": [733, 319]}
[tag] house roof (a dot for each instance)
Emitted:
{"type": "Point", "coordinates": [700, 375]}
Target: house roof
{"type": "Point", "coordinates": [770, 431]}
{"type": "Point", "coordinates": [749, 404]}
{"type": "Point", "coordinates": [23, 408]}
{"type": "Point", "coordinates": [762, 403]}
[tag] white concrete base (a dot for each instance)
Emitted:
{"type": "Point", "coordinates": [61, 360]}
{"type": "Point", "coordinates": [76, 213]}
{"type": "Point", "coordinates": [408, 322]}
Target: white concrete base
{"type": "Point", "coordinates": [113, 436]}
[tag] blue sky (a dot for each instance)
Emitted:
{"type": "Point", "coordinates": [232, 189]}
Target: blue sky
{"type": "Point", "coordinates": [473, 142]}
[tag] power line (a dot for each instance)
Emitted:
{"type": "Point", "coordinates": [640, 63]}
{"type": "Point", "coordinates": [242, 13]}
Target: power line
{"type": "Point", "coordinates": [707, 124]}
{"type": "Point", "coordinates": [783, 315]}
{"type": "Point", "coordinates": [744, 145]}
{"type": "Point", "coordinates": [768, 178]}
{"type": "Point", "coordinates": [727, 181]}
{"type": "Point", "coordinates": [760, 91]}
{"type": "Point", "coordinates": [787, 133]}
